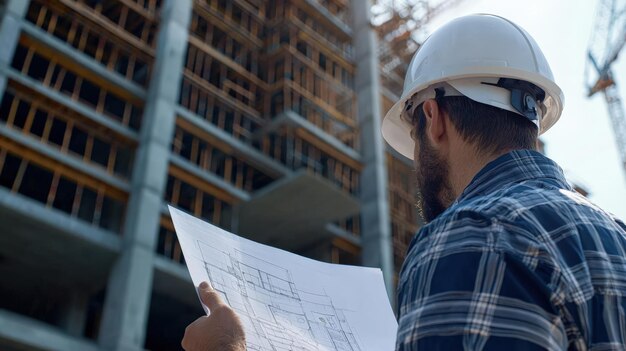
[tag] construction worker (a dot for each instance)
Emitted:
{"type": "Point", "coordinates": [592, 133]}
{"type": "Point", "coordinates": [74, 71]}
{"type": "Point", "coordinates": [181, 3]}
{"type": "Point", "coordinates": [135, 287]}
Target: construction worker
{"type": "Point", "coordinates": [512, 258]}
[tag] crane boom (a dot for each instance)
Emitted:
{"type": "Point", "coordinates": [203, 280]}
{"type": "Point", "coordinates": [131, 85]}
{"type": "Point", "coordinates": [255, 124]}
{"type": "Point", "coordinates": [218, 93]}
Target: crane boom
{"type": "Point", "coordinates": [606, 42]}
{"type": "Point", "coordinates": [618, 118]}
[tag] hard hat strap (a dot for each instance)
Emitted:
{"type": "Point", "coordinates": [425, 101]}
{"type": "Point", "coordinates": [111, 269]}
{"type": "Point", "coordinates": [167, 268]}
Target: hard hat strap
{"type": "Point", "coordinates": [525, 97]}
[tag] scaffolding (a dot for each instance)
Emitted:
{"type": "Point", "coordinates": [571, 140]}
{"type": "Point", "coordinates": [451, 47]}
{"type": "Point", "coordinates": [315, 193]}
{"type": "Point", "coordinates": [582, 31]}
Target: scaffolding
{"type": "Point", "coordinates": [264, 140]}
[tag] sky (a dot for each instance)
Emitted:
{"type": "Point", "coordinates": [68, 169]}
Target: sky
{"type": "Point", "coordinates": [582, 141]}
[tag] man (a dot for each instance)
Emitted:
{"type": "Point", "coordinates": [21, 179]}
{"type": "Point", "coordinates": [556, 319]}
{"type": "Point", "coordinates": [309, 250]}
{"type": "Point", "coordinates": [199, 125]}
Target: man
{"type": "Point", "coordinates": [512, 258]}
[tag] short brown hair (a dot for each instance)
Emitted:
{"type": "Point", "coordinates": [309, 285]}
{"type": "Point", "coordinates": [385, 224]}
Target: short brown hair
{"type": "Point", "coordinates": [490, 128]}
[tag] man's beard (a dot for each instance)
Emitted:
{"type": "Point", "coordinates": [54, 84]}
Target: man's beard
{"type": "Point", "coordinates": [435, 192]}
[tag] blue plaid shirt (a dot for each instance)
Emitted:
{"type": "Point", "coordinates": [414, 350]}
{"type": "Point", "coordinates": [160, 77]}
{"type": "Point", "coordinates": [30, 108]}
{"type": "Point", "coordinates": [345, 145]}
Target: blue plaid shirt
{"type": "Point", "coordinates": [519, 262]}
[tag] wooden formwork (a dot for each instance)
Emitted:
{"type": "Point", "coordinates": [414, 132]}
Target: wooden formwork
{"type": "Point", "coordinates": [247, 61]}
{"type": "Point", "coordinates": [309, 69]}
{"type": "Point", "coordinates": [46, 97]}
{"type": "Point", "coordinates": [57, 186]}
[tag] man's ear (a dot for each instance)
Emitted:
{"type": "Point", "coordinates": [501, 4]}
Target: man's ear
{"type": "Point", "coordinates": [436, 124]}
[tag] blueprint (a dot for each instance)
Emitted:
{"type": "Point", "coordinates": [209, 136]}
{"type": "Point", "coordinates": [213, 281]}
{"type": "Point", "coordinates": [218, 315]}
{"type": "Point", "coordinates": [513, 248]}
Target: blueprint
{"type": "Point", "coordinates": [287, 302]}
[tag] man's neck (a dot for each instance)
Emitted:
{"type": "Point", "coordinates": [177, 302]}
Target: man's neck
{"type": "Point", "coordinates": [464, 166]}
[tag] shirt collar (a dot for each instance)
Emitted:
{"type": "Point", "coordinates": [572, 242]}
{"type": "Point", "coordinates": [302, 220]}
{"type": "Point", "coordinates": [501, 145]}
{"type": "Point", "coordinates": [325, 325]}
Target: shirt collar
{"type": "Point", "coordinates": [514, 167]}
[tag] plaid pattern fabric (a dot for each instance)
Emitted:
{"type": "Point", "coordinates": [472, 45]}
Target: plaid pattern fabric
{"type": "Point", "coordinates": [519, 262]}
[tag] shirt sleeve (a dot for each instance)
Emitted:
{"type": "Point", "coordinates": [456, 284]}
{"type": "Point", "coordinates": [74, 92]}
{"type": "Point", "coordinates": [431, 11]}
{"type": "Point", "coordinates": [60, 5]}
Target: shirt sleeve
{"type": "Point", "coordinates": [461, 289]}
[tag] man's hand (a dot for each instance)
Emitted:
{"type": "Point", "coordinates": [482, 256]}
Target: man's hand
{"type": "Point", "coordinates": [222, 330]}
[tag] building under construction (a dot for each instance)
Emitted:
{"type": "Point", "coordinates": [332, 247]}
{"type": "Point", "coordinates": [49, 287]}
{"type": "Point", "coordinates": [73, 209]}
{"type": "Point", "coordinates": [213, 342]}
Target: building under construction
{"type": "Point", "coordinates": [260, 116]}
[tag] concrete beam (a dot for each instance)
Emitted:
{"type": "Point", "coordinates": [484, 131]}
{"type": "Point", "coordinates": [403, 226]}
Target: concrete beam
{"type": "Point", "coordinates": [128, 295]}
{"type": "Point", "coordinates": [375, 217]}
{"type": "Point", "coordinates": [12, 15]}
{"type": "Point", "coordinates": [291, 118]}
{"type": "Point", "coordinates": [29, 333]}
{"type": "Point", "coordinates": [72, 162]}
{"type": "Point", "coordinates": [64, 100]}
{"type": "Point", "coordinates": [299, 206]}
{"type": "Point", "coordinates": [209, 177]}
{"type": "Point", "coordinates": [251, 155]}
{"type": "Point", "coordinates": [173, 269]}
{"type": "Point", "coordinates": [83, 60]}
{"type": "Point", "coordinates": [50, 244]}
{"type": "Point", "coordinates": [17, 205]}
{"type": "Point", "coordinates": [343, 28]}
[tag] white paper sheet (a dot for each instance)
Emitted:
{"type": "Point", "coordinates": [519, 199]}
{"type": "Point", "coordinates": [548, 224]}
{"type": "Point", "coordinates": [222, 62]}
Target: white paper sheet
{"type": "Point", "coordinates": [285, 301]}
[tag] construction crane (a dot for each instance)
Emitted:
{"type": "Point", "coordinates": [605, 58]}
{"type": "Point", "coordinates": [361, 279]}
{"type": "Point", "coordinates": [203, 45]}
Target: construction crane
{"type": "Point", "coordinates": [606, 42]}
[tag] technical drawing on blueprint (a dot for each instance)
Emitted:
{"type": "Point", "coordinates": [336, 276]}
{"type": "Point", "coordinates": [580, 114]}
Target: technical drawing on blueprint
{"type": "Point", "coordinates": [288, 302]}
{"type": "Point", "coordinates": [281, 316]}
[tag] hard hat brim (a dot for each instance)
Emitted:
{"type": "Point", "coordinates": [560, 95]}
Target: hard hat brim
{"type": "Point", "coordinates": [397, 132]}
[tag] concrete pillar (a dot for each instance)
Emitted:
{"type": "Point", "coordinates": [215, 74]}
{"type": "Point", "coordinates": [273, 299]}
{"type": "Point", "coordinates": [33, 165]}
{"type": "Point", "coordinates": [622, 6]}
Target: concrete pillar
{"type": "Point", "coordinates": [375, 221]}
{"type": "Point", "coordinates": [11, 15]}
{"type": "Point", "coordinates": [129, 288]}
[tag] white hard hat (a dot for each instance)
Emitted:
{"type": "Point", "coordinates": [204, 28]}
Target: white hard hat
{"type": "Point", "coordinates": [486, 58]}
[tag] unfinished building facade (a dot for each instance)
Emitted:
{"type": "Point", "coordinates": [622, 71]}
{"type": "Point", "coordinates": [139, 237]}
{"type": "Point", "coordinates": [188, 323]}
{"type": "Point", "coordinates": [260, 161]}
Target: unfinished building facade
{"type": "Point", "coordinates": [259, 116]}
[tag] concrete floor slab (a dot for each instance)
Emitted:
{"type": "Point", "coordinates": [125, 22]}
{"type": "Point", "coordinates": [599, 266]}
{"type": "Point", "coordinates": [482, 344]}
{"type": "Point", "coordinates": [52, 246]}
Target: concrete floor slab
{"type": "Point", "coordinates": [293, 212]}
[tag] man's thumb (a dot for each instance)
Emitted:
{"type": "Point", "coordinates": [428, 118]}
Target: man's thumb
{"type": "Point", "coordinates": [210, 297]}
